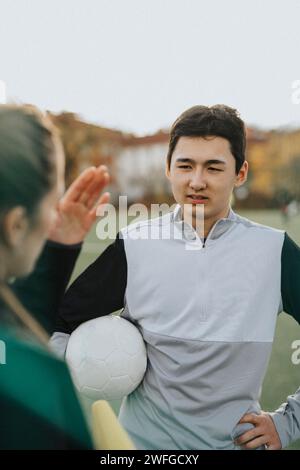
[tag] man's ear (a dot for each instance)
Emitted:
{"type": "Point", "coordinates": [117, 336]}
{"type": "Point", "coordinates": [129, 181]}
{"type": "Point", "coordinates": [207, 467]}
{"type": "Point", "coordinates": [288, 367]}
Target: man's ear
{"type": "Point", "coordinates": [167, 171]}
{"type": "Point", "coordinates": [15, 226]}
{"type": "Point", "coordinates": [242, 175]}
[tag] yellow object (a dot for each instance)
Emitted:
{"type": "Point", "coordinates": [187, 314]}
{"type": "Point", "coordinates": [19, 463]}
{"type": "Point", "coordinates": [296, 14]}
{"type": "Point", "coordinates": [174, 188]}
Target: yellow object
{"type": "Point", "coordinates": [108, 433]}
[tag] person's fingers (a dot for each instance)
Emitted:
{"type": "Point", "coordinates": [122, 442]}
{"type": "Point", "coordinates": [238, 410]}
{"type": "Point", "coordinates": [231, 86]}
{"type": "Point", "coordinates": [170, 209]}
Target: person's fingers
{"type": "Point", "coordinates": [104, 199]}
{"type": "Point", "coordinates": [273, 447]}
{"type": "Point", "coordinates": [95, 190]}
{"type": "Point", "coordinates": [255, 443]}
{"type": "Point", "coordinates": [247, 436]}
{"type": "Point", "coordinates": [91, 192]}
{"type": "Point", "coordinates": [98, 209]}
{"type": "Point", "coordinates": [79, 185]}
{"type": "Point", "coordinates": [250, 418]}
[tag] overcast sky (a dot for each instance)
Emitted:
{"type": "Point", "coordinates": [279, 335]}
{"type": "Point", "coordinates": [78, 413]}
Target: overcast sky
{"type": "Point", "coordinates": [137, 64]}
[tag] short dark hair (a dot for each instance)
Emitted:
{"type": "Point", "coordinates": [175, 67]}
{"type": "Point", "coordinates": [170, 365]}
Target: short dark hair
{"type": "Point", "coordinates": [203, 121]}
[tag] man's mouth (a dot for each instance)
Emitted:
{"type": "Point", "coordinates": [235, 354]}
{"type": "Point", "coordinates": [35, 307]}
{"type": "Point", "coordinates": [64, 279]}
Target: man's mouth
{"type": "Point", "coordinates": [197, 199]}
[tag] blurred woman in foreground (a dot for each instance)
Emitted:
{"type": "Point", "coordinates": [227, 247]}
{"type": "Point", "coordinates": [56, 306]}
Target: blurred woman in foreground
{"type": "Point", "coordinates": [39, 406]}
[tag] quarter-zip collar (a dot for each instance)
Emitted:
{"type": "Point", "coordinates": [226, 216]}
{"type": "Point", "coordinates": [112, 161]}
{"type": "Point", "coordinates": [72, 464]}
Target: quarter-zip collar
{"type": "Point", "coordinates": [217, 230]}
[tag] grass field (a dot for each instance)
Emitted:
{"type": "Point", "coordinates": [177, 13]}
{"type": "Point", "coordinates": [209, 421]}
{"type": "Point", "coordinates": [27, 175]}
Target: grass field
{"type": "Point", "coordinates": [282, 378]}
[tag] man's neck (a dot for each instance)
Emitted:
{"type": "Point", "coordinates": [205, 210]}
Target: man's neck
{"type": "Point", "coordinates": [209, 223]}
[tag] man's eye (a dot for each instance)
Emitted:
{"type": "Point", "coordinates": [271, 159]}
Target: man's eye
{"type": "Point", "coordinates": [184, 166]}
{"type": "Point", "coordinates": [214, 169]}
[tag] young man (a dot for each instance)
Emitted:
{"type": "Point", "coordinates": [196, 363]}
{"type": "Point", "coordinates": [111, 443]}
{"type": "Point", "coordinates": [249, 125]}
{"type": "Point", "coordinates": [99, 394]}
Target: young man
{"type": "Point", "coordinates": [206, 304]}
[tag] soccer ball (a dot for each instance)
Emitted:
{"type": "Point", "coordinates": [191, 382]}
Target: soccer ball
{"type": "Point", "coordinates": [107, 358]}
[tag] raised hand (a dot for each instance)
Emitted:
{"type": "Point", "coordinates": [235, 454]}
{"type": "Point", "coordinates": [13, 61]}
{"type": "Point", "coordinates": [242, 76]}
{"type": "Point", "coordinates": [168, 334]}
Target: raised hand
{"type": "Point", "coordinates": [76, 211]}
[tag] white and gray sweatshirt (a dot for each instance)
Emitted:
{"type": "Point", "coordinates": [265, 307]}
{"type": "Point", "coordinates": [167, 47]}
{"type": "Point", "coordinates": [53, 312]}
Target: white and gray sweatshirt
{"type": "Point", "coordinates": [207, 312]}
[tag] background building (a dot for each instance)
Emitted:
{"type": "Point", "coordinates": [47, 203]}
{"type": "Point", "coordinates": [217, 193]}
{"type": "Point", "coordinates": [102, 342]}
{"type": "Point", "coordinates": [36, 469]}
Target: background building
{"type": "Point", "coordinates": [137, 164]}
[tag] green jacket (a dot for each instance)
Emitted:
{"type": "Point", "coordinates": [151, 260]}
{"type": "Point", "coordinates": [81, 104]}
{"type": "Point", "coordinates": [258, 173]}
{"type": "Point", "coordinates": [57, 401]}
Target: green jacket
{"type": "Point", "coordinates": [39, 405]}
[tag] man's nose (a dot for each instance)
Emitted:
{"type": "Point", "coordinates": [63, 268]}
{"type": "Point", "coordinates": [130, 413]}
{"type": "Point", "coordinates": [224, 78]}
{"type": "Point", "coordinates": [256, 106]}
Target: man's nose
{"type": "Point", "coordinates": [198, 181]}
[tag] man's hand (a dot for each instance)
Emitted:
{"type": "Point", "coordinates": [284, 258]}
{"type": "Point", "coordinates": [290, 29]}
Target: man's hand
{"type": "Point", "coordinates": [264, 433]}
{"type": "Point", "coordinates": [76, 211]}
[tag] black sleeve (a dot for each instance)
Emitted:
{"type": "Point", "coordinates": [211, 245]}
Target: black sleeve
{"type": "Point", "coordinates": [290, 277]}
{"type": "Point", "coordinates": [98, 291]}
{"type": "Point", "coordinates": [41, 292]}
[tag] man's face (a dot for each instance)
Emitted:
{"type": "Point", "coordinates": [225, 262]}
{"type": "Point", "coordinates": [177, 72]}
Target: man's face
{"type": "Point", "coordinates": [202, 171]}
